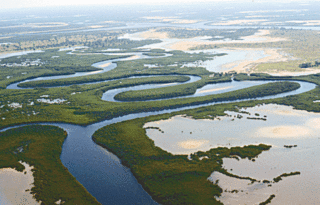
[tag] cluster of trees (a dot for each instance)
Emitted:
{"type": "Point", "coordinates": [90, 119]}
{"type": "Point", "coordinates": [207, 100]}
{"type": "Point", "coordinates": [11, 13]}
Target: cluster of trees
{"type": "Point", "coordinates": [309, 65]}
{"type": "Point", "coordinates": [224, 33]}
{"type": "Point", "coordinates": [96, 39]}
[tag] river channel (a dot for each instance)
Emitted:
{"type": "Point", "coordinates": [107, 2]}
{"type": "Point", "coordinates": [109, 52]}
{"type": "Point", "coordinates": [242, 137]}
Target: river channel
{"type": "Point", "coordinates": [100, 171]}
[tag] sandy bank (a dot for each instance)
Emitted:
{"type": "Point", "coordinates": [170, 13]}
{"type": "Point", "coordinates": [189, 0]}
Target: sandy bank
{"type": "Point", "coordinates": [272, 56]}
{"type": "Point", "coordinates": [172, 19]}
{"type": "Point", "coordinates": [284, 132]}
{"type": "Point", "coordinates": [239, 22]}
{"type": "Point", "coordinates": [39, 25]}
{"type": "Point", "coordinates": [104, 65]}
{"type": "Point", "coordinates": [215, 89]}
{"type": "Point", "coordinates": [307, 71]}
{"type": "Point", "coordinates": [153, 34]}
{"type": "Point", "coordinates": [259, 37]}
{"type": "Point", "coordinates": [306, 23]}
{"type": "Point", "coordinates": [15, 186]}
{"type": "Point", "coordinates": [192, 144]}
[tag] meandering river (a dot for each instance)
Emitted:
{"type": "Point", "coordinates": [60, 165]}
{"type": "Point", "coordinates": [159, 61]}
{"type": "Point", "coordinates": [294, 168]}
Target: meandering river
{"type": "Point", "coordinates": [100, 171]}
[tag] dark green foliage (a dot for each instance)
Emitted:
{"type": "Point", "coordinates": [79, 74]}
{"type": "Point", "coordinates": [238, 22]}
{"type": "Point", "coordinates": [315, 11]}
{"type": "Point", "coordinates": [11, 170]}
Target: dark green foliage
{"type": "Point", "coordinates": [42, 147]}
{"type": "Point", "coordinates": [126, 69]}
{"type": "Point", "coordinates": [169, 92]}
{"type": "Point", "coordinates": [309, 65]}
{"type": "Point", "coordinates": [279, 178]}
{"type": "Point", "coordinates": [268, 201]}
{"type": "Point", "coordinates": [63, 65]}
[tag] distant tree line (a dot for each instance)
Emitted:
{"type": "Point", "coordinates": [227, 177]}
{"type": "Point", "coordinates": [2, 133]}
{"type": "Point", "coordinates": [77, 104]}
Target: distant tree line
{"type": "Point", "coordinates": [309, 65]}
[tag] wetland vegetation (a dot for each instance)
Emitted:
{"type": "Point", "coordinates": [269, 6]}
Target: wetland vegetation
{"type": "Point", "coordinates": [171, 179]}
{"type": "Point", "coordinates": [40, 147]}
{"type": "Point", "coordinates": [168, 178]}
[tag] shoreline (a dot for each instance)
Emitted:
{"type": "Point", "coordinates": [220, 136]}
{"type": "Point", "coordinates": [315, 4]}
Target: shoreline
{"type": "Point", "coordinates": [15, 186]}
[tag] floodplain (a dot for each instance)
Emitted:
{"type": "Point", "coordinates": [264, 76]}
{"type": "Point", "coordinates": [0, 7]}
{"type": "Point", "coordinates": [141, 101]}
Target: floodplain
{"type": "Point", "coordinates": [164, 107]}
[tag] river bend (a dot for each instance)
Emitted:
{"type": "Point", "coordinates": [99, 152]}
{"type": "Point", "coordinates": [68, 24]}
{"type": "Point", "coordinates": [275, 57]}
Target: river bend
{"type": "Point", "coordinates": [100, 171]}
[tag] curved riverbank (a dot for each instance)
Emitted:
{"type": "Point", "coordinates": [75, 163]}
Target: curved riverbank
{"type": "Point", "coordinates": [88, 162]}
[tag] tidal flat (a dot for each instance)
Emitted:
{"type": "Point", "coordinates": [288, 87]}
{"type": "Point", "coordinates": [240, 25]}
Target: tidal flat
{"type": "Point", "coordinates": [292, 133]}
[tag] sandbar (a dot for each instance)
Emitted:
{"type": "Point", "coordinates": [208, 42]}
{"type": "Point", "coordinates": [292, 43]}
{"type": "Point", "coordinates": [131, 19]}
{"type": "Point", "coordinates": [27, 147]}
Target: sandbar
{"type": "Point", "coordinates": [172, 19]}
{"type": "Point", "coordinates": [259, 37]}
{"type": "Point", "coordinates": [306, 23]}
{"type": "Point", "coordinates": [239, 22]}
{"type": "Point", "coordinates": [192, 144]}
{"type": "Point", "coordinates": [307, 71]}
{"type": "Point", "coordinates": [104, 65]}
{"type": "Point", "coordinates": [39, 25]}
{"type": "Point", "coordinates": [153, 34]}
{"type": "Point", "coordinates": [284, 131]}
{"type": "Point", "coordinates": [96, 26]}
{"type": "Point", "coordinates": [14, 185]}
{"type": "Point", "coordinates": [272, 56]}
{"type": "Point", "coordinates": [215, 89]}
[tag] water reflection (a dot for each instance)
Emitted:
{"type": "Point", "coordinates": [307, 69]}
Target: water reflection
{"type": "Point", "coordinates": [283, 126]}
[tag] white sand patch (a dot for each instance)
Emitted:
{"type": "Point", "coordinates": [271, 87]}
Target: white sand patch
{"type": "Point", "coordinates": [39, 25]}
{"type": "Point", "coordinates": [306, 23]}
{"type": "Point", "coordinates": [5, 37]}
{"type": "Point", "coordinates": [44, 96]}
{"type": "Point", "coordinates": [307, 71]}
{"type": "Point", "coordinates": [110, 22]}
{"type": "Point", "coordinates": [14, 185]}
{"type": "Point", "coordinates": [261, 16]}
{"type": "Point", "coordinates": [112, 49]}
{"type": "Point", "coordinates": [94, 72]}
{"type": "Point", "coordinates": [75, 93]}
{"type": "Point", "coordinates": [185, 21]}
{"type": "Point", "coordinates": [260, 37]}
{"type": "Point", "coordinates": [172, 19]}
{"type": "Point", "coordinates": [313, 123]}
{"type": "Point", "coordinates": [271, 11]}
{"type": "Point", "coordinates": [215, 89]}
{"type": "Point", "coordinates": [96, 26]}
{"type": "Point", "coordinates": [15, 105]}
{"type": "Point", "coordinates": [132, 58]}
{"type": "Point", "coordinates": [276, 109]}
{"type": "Point", "coordinates": [59, 202]}
{"type": "Point", "coordinates": [284, 132]}
{"type": "Point", "coordinates": [159, 17]}
{"type": "Point", "coordinates": [54, 101]}
{"type": "Point", "coordinates": [239, 22]}
{"type": "Point", "coordinates": [192, 144]}
{"type": "Point", "coordinates": [104, 65]}
{"type": "Point", "coordinates": [153, 34]}
{"type": "Point", "coordinates": [271, 56]}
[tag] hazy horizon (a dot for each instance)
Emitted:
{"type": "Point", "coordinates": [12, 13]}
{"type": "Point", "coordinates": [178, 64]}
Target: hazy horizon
{"type": "Point", "coordinates": [48, 3]}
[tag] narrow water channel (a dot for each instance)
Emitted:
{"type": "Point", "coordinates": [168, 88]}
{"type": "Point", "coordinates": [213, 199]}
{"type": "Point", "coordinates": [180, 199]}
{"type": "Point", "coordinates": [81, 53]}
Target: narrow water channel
{"type": "Point", "coordinates": [100, 171]}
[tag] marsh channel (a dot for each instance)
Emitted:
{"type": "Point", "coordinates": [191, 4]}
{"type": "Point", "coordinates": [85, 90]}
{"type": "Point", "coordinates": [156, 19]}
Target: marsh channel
{"type": "Point", "coordinates": [100, 171]}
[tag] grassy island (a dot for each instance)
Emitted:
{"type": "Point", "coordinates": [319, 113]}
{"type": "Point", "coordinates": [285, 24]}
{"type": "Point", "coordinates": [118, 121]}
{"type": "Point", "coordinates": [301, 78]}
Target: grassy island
{"type": "Point", "coordinates": [40, 147]}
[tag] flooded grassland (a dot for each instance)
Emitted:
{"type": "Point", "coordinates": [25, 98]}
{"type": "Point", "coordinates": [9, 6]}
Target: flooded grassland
{"type": "Point", "coordinates": [293, 135]}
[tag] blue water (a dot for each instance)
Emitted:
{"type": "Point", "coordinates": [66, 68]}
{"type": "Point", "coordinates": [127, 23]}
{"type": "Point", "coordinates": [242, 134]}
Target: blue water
{"type": "Point", "coordinates": [100, 171]}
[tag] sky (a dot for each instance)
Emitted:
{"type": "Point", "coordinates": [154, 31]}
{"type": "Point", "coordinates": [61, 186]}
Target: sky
{"type": "Point", "coordinates": [45, 3]}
